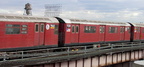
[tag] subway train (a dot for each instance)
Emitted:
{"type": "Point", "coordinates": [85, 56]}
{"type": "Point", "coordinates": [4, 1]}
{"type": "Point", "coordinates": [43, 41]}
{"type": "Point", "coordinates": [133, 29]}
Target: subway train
{"type": "Point", "coordinates": [25, 32]}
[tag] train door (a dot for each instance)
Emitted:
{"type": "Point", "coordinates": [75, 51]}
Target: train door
{"type": "Point", "coordinates": [102, 33]}
{"type": "Point", "coordinates": [75, 33]}
{"type": "Point", "coordinates": [137, 33]}
{"type": "Point", "coordinates": [39, 33]}
{"type": "Point", "coordinates": [122, 32]}
{"type": "Point", "coordinates": [141, 33]}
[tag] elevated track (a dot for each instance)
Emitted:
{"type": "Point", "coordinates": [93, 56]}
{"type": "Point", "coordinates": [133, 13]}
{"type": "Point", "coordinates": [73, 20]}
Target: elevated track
{"type": "Point", "coordinates": [56, 55]}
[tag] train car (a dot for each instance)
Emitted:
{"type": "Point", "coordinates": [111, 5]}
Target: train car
{"type": "Point", "coordinates": [26, 31]}
{"type": "Point", "coordinates": [42, 32]}
{"type": "Point", "coordinates": [80, 32]}
{"type": "Point", "coordinates": [137, 31]}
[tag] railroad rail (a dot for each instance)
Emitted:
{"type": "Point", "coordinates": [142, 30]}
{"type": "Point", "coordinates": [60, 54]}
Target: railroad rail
{"type": "Point", "coordinates": [52, 55]}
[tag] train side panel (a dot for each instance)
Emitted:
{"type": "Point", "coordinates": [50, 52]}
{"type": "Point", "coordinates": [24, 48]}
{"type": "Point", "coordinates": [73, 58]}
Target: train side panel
{"type": "Point", "coordinates": [112, 34]}
{"type": "Point", "coordinates": [117, 33]}
{"type": "Point", "coordinates": [136, 33]}
{"type": "Point", "coordinates": [16, 34]}
{"type": "Point", "coordinates": [51, 34]}
{"type": "Point", "coordinates": [142, 33]}
{"type": "Point", "coordinates": [38, 33]}
{"type": "Point", "coordinates": [89, 34]}
{"type": "Point", "coordinates": [67, 31]}
{"type": "Point", "coordinates": [127, 33]}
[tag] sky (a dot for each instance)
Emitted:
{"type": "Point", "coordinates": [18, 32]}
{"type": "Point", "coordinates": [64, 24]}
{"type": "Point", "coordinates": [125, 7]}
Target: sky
{"type": "Point", "coordinates": [100, 10]}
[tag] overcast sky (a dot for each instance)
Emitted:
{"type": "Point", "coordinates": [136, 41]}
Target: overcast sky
{"type": "Point", "coordinates": [103, 10]}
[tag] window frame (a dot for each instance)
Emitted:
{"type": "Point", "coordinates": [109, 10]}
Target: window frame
{"type": "Point", "coordinates": [102, 29]}
{"type": "Point", "coordinates": [56, 29]}
{"type": "Point", "coordinates": [122, 29]}
{"type": "Point", "coordinates": [89, 29]}
{"type": "Point", "coordinates": [113, 29]}
{"type": "Point", "coordinates": [142, 30]}
{"type": "Point", "coordinates": [26, 29]}
{"type": "Point", "coordinates": [73, 29]}
{"type": "Point", "coordinates": [36, 27]}
{"type": "Point", "coordinates": [42, 28]}
{"type": "Point", "coordinates": [13, 27]}
{"type": "Point", "coordinates": [77, 29]}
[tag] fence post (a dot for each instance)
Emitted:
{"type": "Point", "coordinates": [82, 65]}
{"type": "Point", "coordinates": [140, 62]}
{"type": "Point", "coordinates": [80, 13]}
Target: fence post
{"type": "Point", "coordinates": [4, 56]}
{"type": "Point", "coordinates": [22, 54]}
{"type": "Point", "coordinates": [68, 50]}
{"type": "Point", "coordinates": [111, 46]}
{"type": "Point", "coordinates": [85, 49]}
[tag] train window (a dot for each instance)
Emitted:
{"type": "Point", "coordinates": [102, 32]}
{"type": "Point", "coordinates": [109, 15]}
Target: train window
{"type": "Point", "coordinates": [142, 30]}
{"type": "Point", "coordinates": [42, 27]}
{"type": "Point", "coordinates": [102, 29]}
{"type": "Point", "coordinates": [138, 29]}
{"type": "Point", "coordinates": [116, 29]}
{"type": "Point", "coordinates": [89, 29]}
{"type": "Point", "coordinates": [24, 29]}
{"type": "Point", "coordinates": [112, 29]}
{"type": "Point", "coordinates": [86, 30]}
{"type": "Point", "coordinates": [24, 26]}
{"type": "Point", "coordinates": [121, 29]}
{"type": "Point", "coordinates": [9, 25]}
{"type": "Point", "coordinates": [56, 29]}
{"type": "Point", "coordinates": [93, 29]}
{"type": "Point", "coordinates": [36, 28]}
{"type": "Point", "coordinates": [77, 29]}
{"type": "Point", "coordinates": [128, 29]}
{"type": "Point", "coordinates": [73, 29]}
{"type": "Point", "coordinates": [12, 29]}
{"type": "Point", "coordinates": [16, 25]}
{"type": "Point", "coordinates": [24, 32]}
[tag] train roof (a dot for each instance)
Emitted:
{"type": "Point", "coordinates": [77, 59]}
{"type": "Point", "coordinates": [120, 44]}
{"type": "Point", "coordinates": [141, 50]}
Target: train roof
{"type": "Point", "coordinates": [27, 19]}
{"type": "Point", "coordinates": [78, 21]}
{"type": "Point", "coordinates": [138, 24]}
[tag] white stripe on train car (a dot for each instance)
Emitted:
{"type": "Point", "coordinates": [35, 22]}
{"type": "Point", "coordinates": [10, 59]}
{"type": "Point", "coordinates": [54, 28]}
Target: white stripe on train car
{"type": "Point", "coordinates": [27, 19]}
{"type": "Point", "coordinates": [138, 24]}
{"type": "Point", "coordinates": [95, 22]}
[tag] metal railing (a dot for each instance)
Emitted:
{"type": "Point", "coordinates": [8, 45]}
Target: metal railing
{"type": "Point", "coordinates": [64, 51]}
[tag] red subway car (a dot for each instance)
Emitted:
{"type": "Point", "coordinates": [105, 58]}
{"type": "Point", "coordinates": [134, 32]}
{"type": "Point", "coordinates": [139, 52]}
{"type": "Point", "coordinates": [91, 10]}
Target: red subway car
{"type": "Point", "coordinates": [80, 32]}
{"type": "Point", "coordinates": [137, 31]}
{"type": "Point", "coordinates": [25, 31]}
{"type": "Point", "coordinates": [28, 32]}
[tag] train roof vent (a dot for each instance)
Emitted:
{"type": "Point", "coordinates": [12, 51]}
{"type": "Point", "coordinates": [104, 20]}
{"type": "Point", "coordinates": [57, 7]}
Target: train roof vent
{"type": "Point", "coordinates": [77, 20]}
{"type": "Point", "coordinates": [46, 19]}
{"type": "Point", "coordinates": [18, 17]}
{"type": "Point", "coordinates": [72, 19]}
{"type": "Point", "coordinates": [32, 18]}
{"type": "Point", "coordinates": [83, 20]}
{"type": "Point", "coordinates": [40, 18]}
{"type": "Point", "coordinates": [26, 18]}
{"type": "Point", "coordinates": [2, 16]}
{"type": "Point", "coordinates": [10, 17]}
